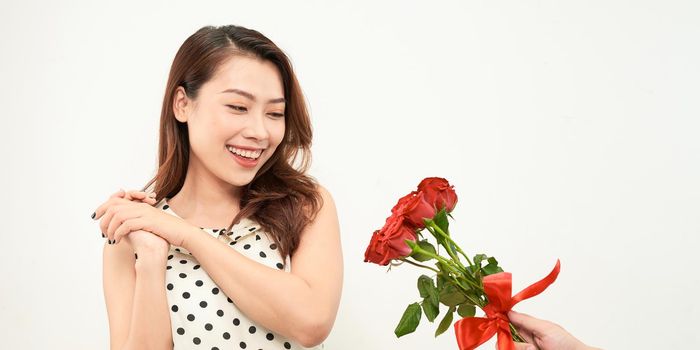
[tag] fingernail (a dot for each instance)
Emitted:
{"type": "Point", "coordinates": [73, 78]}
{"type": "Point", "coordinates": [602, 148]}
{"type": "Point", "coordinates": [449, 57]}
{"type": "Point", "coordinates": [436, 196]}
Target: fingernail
{"type": "Point", "coordinates": [103, 235]}
{"type": "Point", "coordinates": [93, 215]}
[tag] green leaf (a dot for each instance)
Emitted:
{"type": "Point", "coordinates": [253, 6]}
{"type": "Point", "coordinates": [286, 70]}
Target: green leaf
{"type": "Point", "coordinates": [478, 258]}
{"type": "Point", "coordinates": [446, 322]}
{"type": "Point", "coordinates": [409, 320]}
{"type": "Point", "coordinates": [450, 295]}
{"type": "Point", "coordinates": [431, 310]}
{"type": "Point", "coordinates": [425, 245]}
{"type": "Point", "coordinates": [466, 310]}
{"type": "Point", "coordinates": [441, 221]}
{"type": "Point", "coordinates": [492, 267]}
{"type": "Point", "coordinates": [425, 283]}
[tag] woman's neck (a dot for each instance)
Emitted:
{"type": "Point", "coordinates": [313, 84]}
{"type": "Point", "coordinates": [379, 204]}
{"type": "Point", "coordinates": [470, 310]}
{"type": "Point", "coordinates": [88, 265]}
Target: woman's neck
{"type": "Point", "coordinates": [206, 203]}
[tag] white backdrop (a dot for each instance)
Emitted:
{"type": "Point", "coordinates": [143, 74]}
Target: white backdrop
{"type": "Point", "coordinates": [567, 129]}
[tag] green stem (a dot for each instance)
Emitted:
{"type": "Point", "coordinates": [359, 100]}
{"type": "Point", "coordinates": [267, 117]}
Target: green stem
{"type": "Point", "coordinates": [419, 265]}
{"type": "Point", "coordinates": [446, 236]}
{"type": "Point", "coordinates": [515, 334]}
{"type": "Point", "coordinates": [450, 252]}
{"type": "Point", "coordinates": [456, 268]}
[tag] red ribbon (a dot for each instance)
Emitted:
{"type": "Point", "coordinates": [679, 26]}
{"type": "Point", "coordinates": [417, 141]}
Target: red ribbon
{"type": "Point", "coordinates": [474, 331]}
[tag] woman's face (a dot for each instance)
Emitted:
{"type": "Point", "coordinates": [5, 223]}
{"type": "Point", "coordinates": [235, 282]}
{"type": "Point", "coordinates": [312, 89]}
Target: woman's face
{"type": "Point", "coordinates": [237, 120]}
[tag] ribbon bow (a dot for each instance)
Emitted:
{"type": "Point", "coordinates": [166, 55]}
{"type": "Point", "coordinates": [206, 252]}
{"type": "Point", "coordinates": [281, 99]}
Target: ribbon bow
{"type": "Point", "coordinates": [474, 331]}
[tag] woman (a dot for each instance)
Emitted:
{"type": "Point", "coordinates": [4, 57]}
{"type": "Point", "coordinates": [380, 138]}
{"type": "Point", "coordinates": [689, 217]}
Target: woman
{"type": "Point", "coordinates": [239, 248]}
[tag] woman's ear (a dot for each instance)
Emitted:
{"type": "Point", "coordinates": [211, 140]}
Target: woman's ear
{"type": "Point", "coordinates": [181, 104]}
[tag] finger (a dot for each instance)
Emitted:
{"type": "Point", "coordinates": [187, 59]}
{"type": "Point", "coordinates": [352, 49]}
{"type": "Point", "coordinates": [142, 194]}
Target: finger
{"type": "Point", "coordinates": [523, 320]}
{"type": "Point", "coordinates": [138, 194]}
{"type": "Point", "coordinates": [122, 212]}
{"type": "Point", "coordinates": [108, 221]}
{"type": "Point", "coordinates": [117, 194]}
{"type": "Point", "coordinates": [143, 196]}
{"type": "Point", "coordinates": [523, 346]}
{"type": "Point", "coordinates": [533, 326]}
{"type": "Point", "coordinates": [102, 212]}
{"type": "Point", "coordinates": [128, 226]}
{"type": "Point", "coordinates": [100, 209]}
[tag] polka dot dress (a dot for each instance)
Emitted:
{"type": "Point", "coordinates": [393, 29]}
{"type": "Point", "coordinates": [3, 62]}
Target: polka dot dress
{"type": "Point", "coordinates": [202, 316]}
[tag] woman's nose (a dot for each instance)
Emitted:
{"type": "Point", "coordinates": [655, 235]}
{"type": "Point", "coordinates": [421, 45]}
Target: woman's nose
{"type": "Point", "coordinates": [255, 127]}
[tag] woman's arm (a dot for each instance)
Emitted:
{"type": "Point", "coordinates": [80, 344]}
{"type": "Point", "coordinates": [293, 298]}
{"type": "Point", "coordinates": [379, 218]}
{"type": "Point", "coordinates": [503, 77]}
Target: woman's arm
{"type": "Point", "coordinates": [150, 317]}
{"type": "Point", "coordinates": [300, 305]}
{"type": "Point", "coordinates": [135, 298]}
{"type": "Point", "coordinates": [118, 281]}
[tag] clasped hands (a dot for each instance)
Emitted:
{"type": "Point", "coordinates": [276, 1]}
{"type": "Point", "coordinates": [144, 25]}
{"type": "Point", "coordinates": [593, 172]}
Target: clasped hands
{"type": "Point", "coordinates": [130, 217]}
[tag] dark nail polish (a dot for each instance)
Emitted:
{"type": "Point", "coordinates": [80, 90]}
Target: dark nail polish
{"type": "Point", "coordinates": [93, 215]}
{"type": "Point", "coordinates": [103, 235]}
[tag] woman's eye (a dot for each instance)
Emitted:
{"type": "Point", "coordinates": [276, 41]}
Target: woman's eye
{"type": "Point", "coordinates": [278, 115]}
{"type": "Point", "coordinates": [237, 108]}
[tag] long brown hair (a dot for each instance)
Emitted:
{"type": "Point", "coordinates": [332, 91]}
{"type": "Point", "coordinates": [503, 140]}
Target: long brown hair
{"type": "Point", "coordinates": [281, 197]}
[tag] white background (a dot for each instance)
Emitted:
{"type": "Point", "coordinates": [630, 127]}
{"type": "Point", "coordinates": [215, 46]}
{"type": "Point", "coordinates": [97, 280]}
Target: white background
{"type": "Point", "coordinates": [569, 130]}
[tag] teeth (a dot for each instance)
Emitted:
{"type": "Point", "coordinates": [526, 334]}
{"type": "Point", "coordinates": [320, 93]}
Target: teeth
{"type": "Point", "coordinates": [245, 153]}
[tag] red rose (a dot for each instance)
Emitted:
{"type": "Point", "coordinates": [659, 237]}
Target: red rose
{"type": "Point", "coordinates": [414, 208]}
{"type": "Point", "coordinates": [438, 192]}
{"type": "Point", "coordinates": [389, 242]}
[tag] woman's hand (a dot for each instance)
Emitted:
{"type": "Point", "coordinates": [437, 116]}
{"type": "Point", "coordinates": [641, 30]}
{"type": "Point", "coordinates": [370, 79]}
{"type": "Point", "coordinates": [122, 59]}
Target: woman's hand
{"type": "Point", "coordinates": [120, 216]}
{"type": "Point", "coordinates": [543, 335]}
{"type": "Point", "coordinates": [132, 196]}
{"type": "Point", "coordinates": [147, 244]}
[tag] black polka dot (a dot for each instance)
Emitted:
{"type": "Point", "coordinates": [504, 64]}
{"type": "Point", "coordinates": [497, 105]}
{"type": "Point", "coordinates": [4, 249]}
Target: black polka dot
{"type": "Point", "coordinates": [199, 283]}
{"type": "Point", "coordinates": [177, 249]}
{"type": "Point", "coordinates": [174, 308]}
{"type": "Point", "coordinates": [229, 300]}
{"type": "Point", "coordinates": [170, 286]}
{"type": "Point", "coordinates": [196, 340]}
{"type": "Point", "coordinates": [226, 335]}
{"type": "Point", "coordinates": [183, 261]}
{"type": "Point", "coordinates": [287, 345]}
{"type": "Point", "coordinates": [263, 255]}
{"type": "Point", "coordinates": [247, 246]}
{"type": "Point", "coordinates": [236, 238]}
{"type": "Point", "coordinates": [270, 336]}
{"type": "Point", "coordinates": [190, 317]}
{"type": "Point", "coordinates": [170, 256]}
{"type": "Point", "coordinates": [186, 295]}
{"type": "Point", "coordinates": [236, 322]}
{"type": "Point", "coordinates": [215, 230]}
{"type": "Point", "coordinates": [195, 267]}
{"type": "Point", "coordinates": [257, 237]}
{"type": "Point", "coordinates": [273, 246]}
{"type": "Point", "coordinates": [182, 275]}
{"type": "Point", "coordinates": [242, 345]}
{"type": "Point", "coordinates": [215, 291]}
{"type": "Point", "coordinates": [208, 326]}
{"type": "Point", "coordinates": [251, 329]}
{"type": "Point", "coordinates": [232, 243]}
{"type": "Point", "coordinates": [215, 348]}
{"type": "Point", "coordinates": [203, 303]}
{"type": "Point", "coordinates": [280, 266]}
{"type": "Point", "coordinates": [169, 267]}
{"type": "Point", "coordinates": [220, 312]}
{"type": "Point", "coordinates": [166, 207]}
{"type": "Point", "coordinates": [180, 331]}
{"type": "Point", "coordinates": [251, 229]}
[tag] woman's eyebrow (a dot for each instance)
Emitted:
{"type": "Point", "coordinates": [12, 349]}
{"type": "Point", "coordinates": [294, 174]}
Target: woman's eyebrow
{"type": "Point", "coordinates": [251, 96]}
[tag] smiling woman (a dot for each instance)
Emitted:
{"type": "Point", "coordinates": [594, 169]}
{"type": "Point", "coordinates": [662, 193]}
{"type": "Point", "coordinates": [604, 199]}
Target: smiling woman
{"type": "Point", "coordinates": [227, 255]}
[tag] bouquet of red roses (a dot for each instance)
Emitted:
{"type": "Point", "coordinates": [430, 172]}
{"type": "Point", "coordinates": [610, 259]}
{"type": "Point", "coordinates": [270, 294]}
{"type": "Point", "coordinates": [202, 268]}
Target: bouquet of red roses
{"type": "Point", "coordinates": [461, 286]}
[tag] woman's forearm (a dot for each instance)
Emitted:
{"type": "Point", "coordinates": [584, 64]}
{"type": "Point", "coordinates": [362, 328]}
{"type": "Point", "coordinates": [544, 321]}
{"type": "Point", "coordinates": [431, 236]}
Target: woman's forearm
{"type": "Point", "coordinates": [150, 318]}
{"type": "Point", "coordinates": [278, 300]}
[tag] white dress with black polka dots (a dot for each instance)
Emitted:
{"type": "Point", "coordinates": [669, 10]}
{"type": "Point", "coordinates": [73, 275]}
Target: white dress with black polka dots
{"type": "Point", "coordinates": [202, 316]}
